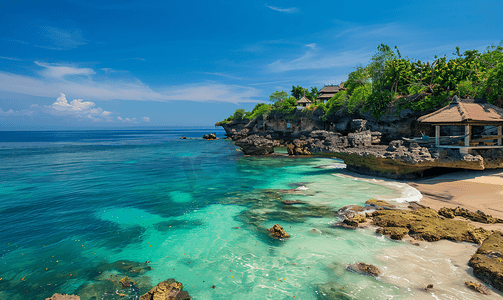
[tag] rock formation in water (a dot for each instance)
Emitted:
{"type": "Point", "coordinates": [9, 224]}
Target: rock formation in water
{"type": "Point", "coordinates": [167, 290]}
{"type": "Point", "coordinates": [278, 231]}
{"type": "Point", "coordinates": [478, 287]}
{"type": "Point", "coordinates": [210, 136]}
{"type": "Point", "coordinates": [63, 297]}
{"type": "Point", "coordinates": [364, 268]}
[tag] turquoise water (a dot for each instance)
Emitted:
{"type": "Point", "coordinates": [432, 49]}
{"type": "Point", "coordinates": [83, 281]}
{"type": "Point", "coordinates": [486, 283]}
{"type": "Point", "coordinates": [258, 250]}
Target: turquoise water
{"type": "Point", "coordinates": [80, 210]}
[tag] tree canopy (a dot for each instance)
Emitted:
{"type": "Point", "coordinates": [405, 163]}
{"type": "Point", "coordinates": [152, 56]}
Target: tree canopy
{"type": "Point", "coordinates": [278, 96]}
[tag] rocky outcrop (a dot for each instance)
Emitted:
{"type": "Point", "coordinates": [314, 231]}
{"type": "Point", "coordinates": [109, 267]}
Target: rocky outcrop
{"type": "Point", "coordinates": [426, 224]}
{"type": "Point", "coordinates": [210, 136]}
{"type": "Point", "coordinates": [278, 232]}
{"type": "Point", "coordinates": [478, 216]}
{"type": "Point", "coordinates": [257, 145]}
{"type": "Point", "coordinates": [478, 287]}
{"type": "Point", "coordinates": [366, 145]}
{"type": "Point", "coordinates": [63, 297]}
{"type": "Point", "coordinates": [379, 204]}
{"type": "Point", "coordinates": [167, 290]}
{"type": "Point", "coordinates": [487, 262]}
{"type": "Point", "coordinates": [364, 268]}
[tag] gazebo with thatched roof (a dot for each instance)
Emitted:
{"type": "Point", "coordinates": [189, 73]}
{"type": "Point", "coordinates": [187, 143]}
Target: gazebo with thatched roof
{"type": "Point", "coordinates": [304, 102]}
{"type": "Point", "coordinates": [468, 113]}
{"type": "Point", "coordinates": [329, 91]}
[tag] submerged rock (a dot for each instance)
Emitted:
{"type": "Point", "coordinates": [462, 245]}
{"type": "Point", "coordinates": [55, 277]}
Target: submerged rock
{"type": "Point", "coordinates": [478, 216]}
{"type": "Point", "coordinates": [291, 202]}
{"type": "Point", "coordinates": [487, 262]}
{"type": "Point", "coordinates": [478, 287]}
{"type": "Point", "coordinates": [364, 268]}
{"type": "Point", "coordinates": [167, 290]}
{"type": "Point", "coordinates": [125, 282]}
{"type": "Point", "coordinates": [426, 224]}
{"type": "Point", "coordinates": [278, 231]}
{"type": "Point", "coordinates": [63, 297]}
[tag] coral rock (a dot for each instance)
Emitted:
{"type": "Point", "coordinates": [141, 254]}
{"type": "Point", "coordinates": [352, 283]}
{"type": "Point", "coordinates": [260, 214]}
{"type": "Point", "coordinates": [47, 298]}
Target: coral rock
{"type": "Point", "coordinates": [364, 268]}
{"type": "Point", "coordinates": [278, 231]}
{"type": "Point", "coordinates": [167, 290]}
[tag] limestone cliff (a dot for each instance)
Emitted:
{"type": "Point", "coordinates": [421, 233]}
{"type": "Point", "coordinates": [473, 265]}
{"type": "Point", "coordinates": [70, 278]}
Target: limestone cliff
{"type": "Point", "coordinates": [367, 145]}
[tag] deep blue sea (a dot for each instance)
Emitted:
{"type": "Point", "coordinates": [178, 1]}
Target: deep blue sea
{"type": "Point", "coordinates": [80, 210]}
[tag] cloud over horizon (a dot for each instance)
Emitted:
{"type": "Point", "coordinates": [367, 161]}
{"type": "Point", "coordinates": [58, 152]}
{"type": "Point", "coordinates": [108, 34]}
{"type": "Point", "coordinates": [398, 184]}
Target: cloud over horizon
{"type": "Point", "coordinates": [81, 81]}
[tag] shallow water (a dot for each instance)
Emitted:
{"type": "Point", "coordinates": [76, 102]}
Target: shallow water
{"type": "Point", "coordinates": [80, 210]}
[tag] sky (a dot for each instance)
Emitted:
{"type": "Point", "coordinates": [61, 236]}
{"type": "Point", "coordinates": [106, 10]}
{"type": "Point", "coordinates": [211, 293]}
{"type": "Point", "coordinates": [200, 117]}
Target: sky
{"type": "Point", "coordinates": [119, 64]}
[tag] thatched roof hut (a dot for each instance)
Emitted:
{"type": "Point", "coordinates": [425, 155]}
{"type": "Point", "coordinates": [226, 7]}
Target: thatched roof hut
{"type": "Point", "coordinates": [304, 102]}
{"type": "Point", "coordinates": [467, 113]}
{"type": "Point", "coordinates": [329, 91]}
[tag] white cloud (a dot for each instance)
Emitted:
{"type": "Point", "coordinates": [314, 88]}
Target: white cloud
{"type": "Point", "coordinates": [146, 119]}
{"type": "Point", "coordinates": [57, 78]}
{"type": "Point", "coordinates": [61, 39]}
{"type": "Point", "coordinates": [61, 71]}
{"type": "Point", "coordinates": [76, 107]}
{"type": "Point", "coordinates": [289, 10]}
{"type": "Point", "coordinates": [119, 118]}
{"type": "Point", "coordinates": [106, 113]}
{"type": "Point", "coordinates": [11, 112]}
{"type": "Point", "coordinates": [315, 58]}
{"type": "Point", "coordinates": [10, 58]}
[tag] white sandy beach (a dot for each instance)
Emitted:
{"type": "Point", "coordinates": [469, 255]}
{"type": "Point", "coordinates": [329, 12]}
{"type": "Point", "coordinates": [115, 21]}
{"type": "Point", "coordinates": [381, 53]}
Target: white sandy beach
{"type": "Point", "coordinates": [473, 190]}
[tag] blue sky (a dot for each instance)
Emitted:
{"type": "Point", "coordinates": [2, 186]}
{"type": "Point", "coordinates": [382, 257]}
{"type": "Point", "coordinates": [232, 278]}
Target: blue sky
{"type": "Point", "coordinates": [108, 64]}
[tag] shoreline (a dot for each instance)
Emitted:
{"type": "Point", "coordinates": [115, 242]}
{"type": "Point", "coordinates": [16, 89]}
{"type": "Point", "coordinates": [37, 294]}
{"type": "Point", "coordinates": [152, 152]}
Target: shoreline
{"type": "Point", "coordinates": [472, 190]}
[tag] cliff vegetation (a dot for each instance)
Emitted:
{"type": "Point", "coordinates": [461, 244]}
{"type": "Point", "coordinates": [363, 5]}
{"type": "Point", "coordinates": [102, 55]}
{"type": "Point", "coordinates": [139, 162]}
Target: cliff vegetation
{"type": "Point", "coordinates": [391, 80]}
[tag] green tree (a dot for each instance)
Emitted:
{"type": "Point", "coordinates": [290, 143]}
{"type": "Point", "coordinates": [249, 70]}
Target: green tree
{"type": "Point", "coordinates": [377, 65]}
{"type": "Point", "coordinates": [298, 92]}
{"type": "Point", "coordinates": [278, 96]}
{"type": "Point", "coordinates": [259, 110]}
{"type": "Point", "coordinates": [314, 93]}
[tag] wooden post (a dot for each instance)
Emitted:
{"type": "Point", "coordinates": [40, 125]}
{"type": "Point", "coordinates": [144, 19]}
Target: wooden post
{"type": "Point", "coordinates": [437, 135]}
{"type": "Point", "coordinates": [500, 130]}
{"type": "Point", "coordinates": [467, 135]}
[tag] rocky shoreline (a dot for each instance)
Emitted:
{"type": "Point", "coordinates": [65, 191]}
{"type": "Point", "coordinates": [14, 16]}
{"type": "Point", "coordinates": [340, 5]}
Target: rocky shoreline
{"type": "Point", "coordinates": [367, 146]}
{"type": "Point", "coordinates": [425, 224]}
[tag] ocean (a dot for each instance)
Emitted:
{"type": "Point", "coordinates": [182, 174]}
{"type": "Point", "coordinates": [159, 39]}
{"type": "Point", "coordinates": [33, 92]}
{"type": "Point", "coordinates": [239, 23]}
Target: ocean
{"type": "Point", "coordinates": [82, 209]}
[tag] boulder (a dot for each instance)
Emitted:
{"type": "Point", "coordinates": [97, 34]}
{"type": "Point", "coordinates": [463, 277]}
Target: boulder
{"type": "Point", "coordinates": [364, 268]}
{"type": "Point", "coordinates": [167, 290]}
{"type": "Point", "coordinates": [210, 136]}
{"type": "Point", "coordinates": [478, 287]}
{"type": "Point", "coordinates": [63, 297]}
{"type": "Point", "coordinates": [354, 220]}
{"type": "Point", "coordinates": [278, 231]}
{"type": "Point", "coordinates": [298, 147]}
{"type": "Point", "coordinates": [257, 145]}
{"type": "Point", "coordinates": [487, 262]}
